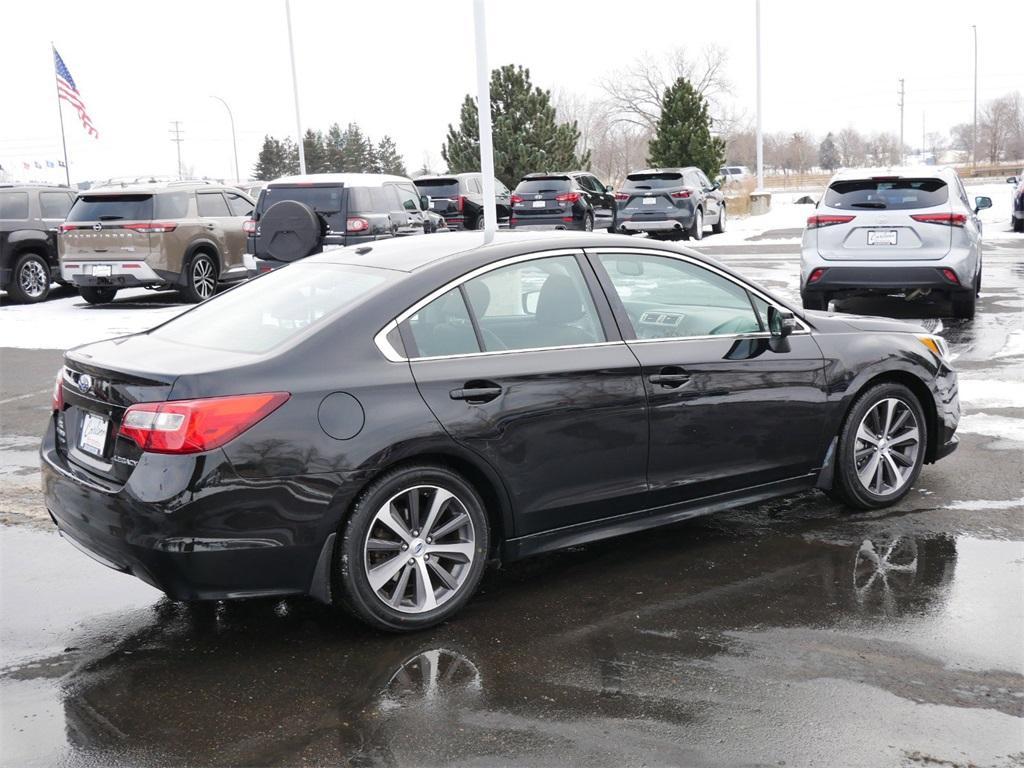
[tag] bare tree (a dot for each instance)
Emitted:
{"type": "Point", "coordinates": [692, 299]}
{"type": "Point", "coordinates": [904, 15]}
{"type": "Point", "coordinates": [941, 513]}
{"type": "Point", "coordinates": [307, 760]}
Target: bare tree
{"type": "Point", "coordinates": [852, 152]}
{"type": "Point", "coordinates": [998, 125]}
{"type": "Point", "coordinates": [615, 147]}
{"type": "Point", "coordinates": [741, 147]}
{"type": "Point", "coordinates": [935, 145]}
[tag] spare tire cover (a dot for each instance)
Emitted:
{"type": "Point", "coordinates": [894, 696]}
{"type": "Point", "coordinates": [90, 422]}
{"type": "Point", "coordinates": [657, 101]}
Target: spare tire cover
{"type": "Point", "coordinates": [290, 230]}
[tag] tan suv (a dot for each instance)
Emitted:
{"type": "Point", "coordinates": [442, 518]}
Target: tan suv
{"type": "Point", "coordinates": [183, 236]}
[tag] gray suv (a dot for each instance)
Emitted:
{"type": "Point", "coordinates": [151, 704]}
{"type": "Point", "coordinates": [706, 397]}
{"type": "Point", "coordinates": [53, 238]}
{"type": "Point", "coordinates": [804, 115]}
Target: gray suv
{"type": "Point", "coordinates": [30, 216]}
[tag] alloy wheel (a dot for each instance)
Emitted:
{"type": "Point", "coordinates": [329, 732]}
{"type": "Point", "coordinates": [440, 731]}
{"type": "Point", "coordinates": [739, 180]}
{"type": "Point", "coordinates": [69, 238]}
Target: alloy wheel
{"type": "Point", "coordinates": [588, 224]}
{"type": "Point", "coordinates": [887, 443]}
{"type": "Point", "coordinates": [203, 278]}
{"type": "Point", "coordinates": [32, 279]}
{"type": "Point", "coordinates": [419, 549]}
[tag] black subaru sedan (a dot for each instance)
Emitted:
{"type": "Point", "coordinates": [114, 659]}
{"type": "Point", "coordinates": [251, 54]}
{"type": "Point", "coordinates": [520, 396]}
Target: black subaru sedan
{"type": "Point", "coordinates": [370, 426]}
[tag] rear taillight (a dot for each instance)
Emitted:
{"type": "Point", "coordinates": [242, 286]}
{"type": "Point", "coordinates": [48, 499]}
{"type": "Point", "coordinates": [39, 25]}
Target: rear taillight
{"type": "Point", "coordinates": [682, 194]}
{"type": "Point", "coordinates": [950, 275]}
{"type": "Point", "coordinates": [816, 275]}
{"type": "Point", "coordinates": [621, 196]}
{"type": "Point", "coordinates": [460, 202]}
{"type": "Point", "coordinates": [69, 227]}
{"type": "Point", "coordinates": [249, 226]}
{"type": "Point", "coordinates": [818, 221]}
{"type": "Point", "coordinates": [948, 219]}
{"type": "Point", "coordinates": [194, 426]}
{"type": "Point", "coordinates": [515, 199]}
{"type": "Point", "coordinates": [57, 400]}
{"type": "Point", "coordinates": [151, 227]}
{"type": "Point", "coordinates": [356, 224]}
{"type": "Point", "coordinates": [568, 197]}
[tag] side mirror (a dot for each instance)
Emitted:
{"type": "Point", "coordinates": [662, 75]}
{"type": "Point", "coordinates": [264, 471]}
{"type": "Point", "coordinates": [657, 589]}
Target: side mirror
{"type": "Point", "coordinates": [981, 203]}
{"type": "Point", "coordinates": [781, 322]}
{"type": "Point", "coordinates": [1011, 179]}
{"type": "Point", "coordinates": [424, 203]}
{"type": "Point", "coordinates": [609, 190]}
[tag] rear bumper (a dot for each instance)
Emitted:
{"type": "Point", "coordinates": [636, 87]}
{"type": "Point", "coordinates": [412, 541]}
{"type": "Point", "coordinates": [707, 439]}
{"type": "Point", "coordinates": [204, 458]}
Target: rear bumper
{"type": "Point", "coordinates": [671, 224]}
{"type": "Point", "coordinates": [546, 223]}
{"type": "Point", "coordinates": [191, 550]}
{"type": "Point", "coordinates": [121, 275]}
{"type": "Point", "coordinates": [882, 279]}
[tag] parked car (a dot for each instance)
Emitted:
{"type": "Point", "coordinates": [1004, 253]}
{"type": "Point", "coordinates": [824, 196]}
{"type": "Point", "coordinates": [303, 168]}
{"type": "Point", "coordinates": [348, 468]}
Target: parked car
{"type": "Point", "coordinates": [1017, 202]}
{"type": "Point", "coordinates": [187, 237]}
{"type": "Point", "coordinates": [894, 231]}
{"type": "Point", "coordinates": [673, 203]}
{"type": "Point", "coordinates": [297, 216]}
{"type": "Point", "coordinates": [252, 188]}
{"type": "Point", "coordinates": [29, 219]}
{"type": "Point", "coordinates": [575, 200]}
{"type": "Point", "coordinates": [371, 425]}
{"type": "Point", "coordinates": [459, 198]}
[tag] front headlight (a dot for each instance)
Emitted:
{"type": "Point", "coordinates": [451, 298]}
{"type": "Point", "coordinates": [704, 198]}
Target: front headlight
{"type": "Point", "coordinates": [937, 345]}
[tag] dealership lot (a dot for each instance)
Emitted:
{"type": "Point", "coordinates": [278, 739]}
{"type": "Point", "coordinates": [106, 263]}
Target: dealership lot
{"type": "Point", "coordinates": [784, 632]}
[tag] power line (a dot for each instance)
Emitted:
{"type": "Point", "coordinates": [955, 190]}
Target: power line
{"type": "Point", "coordinates": [176, 132]}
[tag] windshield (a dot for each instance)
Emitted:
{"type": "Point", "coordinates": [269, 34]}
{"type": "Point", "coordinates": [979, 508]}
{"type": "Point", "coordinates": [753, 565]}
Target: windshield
{"type": "Point", "coordinates": [537, 186]}
{"type": "Point", "coordinates": [886, 194]}
{"type": "Point", "coordinates": [438, 187]}
{"type": "Point", "coordinates": [279, 307]}
{"type": "Point", "coordinates": [653, 180]}
{"type": "Point", "coordinates": [112, 208]}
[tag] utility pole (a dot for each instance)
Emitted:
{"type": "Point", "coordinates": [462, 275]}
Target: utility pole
{"type": "Point", "coordinates": [974, 134]}
{"type": "Point", "coordinates": [901, 121]}
{"type": "Point", "coordinates": [760, 136]}
{"type": "Point", "coordinates": [295, 90]}
{"type": "Point", "coordinates": [924, 142]}
{"type": "Point", "coordinates": [483, 101]}
{"type": "Point", "coordinates": [176, 132]}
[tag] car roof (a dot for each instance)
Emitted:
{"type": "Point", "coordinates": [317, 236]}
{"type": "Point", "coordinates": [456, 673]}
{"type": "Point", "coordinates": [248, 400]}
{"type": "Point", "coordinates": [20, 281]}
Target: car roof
{"type": "Point", "coordinates": [341, 179]}
{"type": "Point", "coordinates": [28, 187]}
{"type": "Point", "coordinates": [913, 172]}
{"type": "Point", "coordinates": [158, 188]}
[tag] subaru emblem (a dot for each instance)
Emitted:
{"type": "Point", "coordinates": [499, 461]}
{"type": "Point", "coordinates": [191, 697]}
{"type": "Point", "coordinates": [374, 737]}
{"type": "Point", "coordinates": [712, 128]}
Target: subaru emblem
{"type": "Point", "coordinates": [84, 382]}
{"type": "Point", "coordinates": [97, 227]}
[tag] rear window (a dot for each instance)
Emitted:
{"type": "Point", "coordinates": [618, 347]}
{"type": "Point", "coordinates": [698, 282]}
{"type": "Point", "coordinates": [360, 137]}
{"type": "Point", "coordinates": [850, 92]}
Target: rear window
{"type": "Point", "coordinates": [279, 307]}
{"type": "Point", "coordinates": [327, 201]}
{"type": "Point", "coordinates": [438, 187]}
{"type": "Point", "coordinates": [886, 194]}
{"type": "Point", "coordinates": [13, 205]}
{"type": "Point", "coordinates": [545, 184]}
{"type": "Point", "coordinates": [653, 180]}
{"type": "Point", "coordinates": [112, 208]}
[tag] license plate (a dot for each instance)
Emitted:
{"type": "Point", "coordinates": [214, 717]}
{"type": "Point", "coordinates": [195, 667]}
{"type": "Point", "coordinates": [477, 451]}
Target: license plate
{"type": "Point", "coordinates": [94, 434]}
{"type": "Point", "coordinates": [881, 237]}
{"type": "Point", "coordinates": [650, 200]}
{"type": "Point", "coordinates": [538, 203]}
{"type": "Point", "coordinates": [101, 270]}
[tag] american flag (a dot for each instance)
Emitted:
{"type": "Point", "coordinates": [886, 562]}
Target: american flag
{"type": "Point", "coordinates": [66, 90]}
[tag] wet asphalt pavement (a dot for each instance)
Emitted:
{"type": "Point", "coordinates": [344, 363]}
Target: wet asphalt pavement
{"type": "Point", "coordinates": [785, 633]}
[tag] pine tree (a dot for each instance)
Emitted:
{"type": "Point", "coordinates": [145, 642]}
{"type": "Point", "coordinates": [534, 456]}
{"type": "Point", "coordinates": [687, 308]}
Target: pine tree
{"type": "Point", "coordinates": [334, 143]}
{"type": "Point", "coordinates": [316, 152]}
{"type": "Point", "coordinates": [271, 162]}
{"type": "Point", "coordinates": [356, 153]}
{"type": "Point", "coordinates": [289, 158]}
{"type": "Point", "coordinates": [527, 136]}
{"type": "Point", "coordinates": [828, 153]}
{"type": "Point", "coordinates": [388, 158]}
{"type": "Point", "coordinates": [683, 134]}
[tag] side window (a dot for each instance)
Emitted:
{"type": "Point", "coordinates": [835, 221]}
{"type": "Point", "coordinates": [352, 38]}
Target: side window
{"type": "Point", "coordinates": [500, 189]}
{"type": "Point", "coordinates": [596, 185]}
{"type": "Point", "coordinates": [239, 205]}
{"type": "Point", "coordinates": [54, 205]}
{"type": "Point", "coordinates": [533, 304]}
{"type": "Point", "coordinates": [761, 307]}
{"type": "Point", "coordinates": [671, 298]}
{"type": "Point", "coordinates": [704, 183]}
{"type": "Point", "coordinates": [172, 205]}
{"type": "Point", "coordinates": [407, 196]}
{"type": "Point", "coordinates": [13, 205]}
{"type": "Point", "coordinates": [212, 204]}
{"type": "Point", "coordinates": [443, 327]}
{"type": "Point", "coordinates": [474, 185]}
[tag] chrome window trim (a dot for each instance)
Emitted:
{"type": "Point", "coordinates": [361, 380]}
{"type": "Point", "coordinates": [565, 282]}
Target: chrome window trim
{"type": "Point", "coordinates": [514, 351]}
{"type": "Point", "coordinates": [628, 250]}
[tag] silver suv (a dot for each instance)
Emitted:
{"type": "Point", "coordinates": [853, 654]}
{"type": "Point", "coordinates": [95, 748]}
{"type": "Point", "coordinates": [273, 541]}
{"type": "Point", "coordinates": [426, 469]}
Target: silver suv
{"type": "Point", "coordinates": [894, 231]}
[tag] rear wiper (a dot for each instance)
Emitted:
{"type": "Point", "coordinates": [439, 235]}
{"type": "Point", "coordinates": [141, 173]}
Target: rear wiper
{"type": "Point", "coordinates": [868, 205]}
{"type": "Point", "coordinates": [109, 217]}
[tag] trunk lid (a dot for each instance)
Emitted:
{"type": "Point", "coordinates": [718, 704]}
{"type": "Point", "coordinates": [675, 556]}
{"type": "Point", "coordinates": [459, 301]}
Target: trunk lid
{"type": "Point", "coordinates": [543, 196]}
{"type": "Point", "coordinates": [652, 195]}
{"type": "Point", "coordinates": [106, 227]}
{"type": "Point", "coordinates": [443, 194]}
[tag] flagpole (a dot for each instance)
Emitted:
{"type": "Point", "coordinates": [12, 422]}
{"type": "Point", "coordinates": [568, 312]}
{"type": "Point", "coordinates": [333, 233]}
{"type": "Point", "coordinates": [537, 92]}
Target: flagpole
{"type": "Point", "coordinates": [63, 141]}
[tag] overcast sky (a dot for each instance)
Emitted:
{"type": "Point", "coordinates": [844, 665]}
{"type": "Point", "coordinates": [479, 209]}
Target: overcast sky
{"type": "Point", "coordinates": [402, 68]}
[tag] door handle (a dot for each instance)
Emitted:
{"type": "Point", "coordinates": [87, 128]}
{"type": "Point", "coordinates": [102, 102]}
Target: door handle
{"type": "Point", "coordinates": [476, 392]}
{"type": "Point", "coordinates": [669, 377]}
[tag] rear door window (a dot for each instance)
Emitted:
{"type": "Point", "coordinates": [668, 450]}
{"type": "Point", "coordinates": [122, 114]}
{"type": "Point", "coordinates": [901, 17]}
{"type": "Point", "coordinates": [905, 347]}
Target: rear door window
{"type": "Point", "coordinates": [212, 205]}
{"type": "Point", "coordinates": [173, 205]}
{"type": "Point", "coordinates": [886, 194]}
{"type": "Point", "coordinates": [239, 205]}
{"type": "Point", "coordinates": [54, 205]}
{"type": "Point", "coordinates": [112, 208]}
{"type": "Point", "coordinates": [443, 327]}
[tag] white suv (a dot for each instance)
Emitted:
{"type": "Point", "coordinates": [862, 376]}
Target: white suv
{"type": "Point", "coordinates": [894, 231]}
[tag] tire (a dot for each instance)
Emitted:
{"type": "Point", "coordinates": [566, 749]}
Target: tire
{"type": "Point", "coordinates": [977, 282]}
{"type": "Point", "coordinates": [818, 301]}
{"type": "Point", "coordinates": [289, 231]}
{"type": "Point", "coordinates": [400, 603]}
{"type": "Point", "coordinates": [588, 223]}
{"type": "Point", "coordinates": [1018, 225]}
{"type": "Point", "coordinates": [697, 230]}
{"type": "Point", "coordinates": [719, 226]}
{"type": "Point", "coordinates": [478, 223]}
{"type": "Point", "coordinates": [898, 460]}
{"type": "Point", "coordinates": [964, 303]}
{"type": "Point", "coordinates": [30, 279]}
{"type": "Point", "coordinates": [200, 278]}
{"type": "Point", "coordinates": [98, 295]}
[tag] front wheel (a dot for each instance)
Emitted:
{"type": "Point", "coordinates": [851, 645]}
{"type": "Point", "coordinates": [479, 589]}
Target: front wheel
{"type": "Point", "coordinates": [413, 550]}
{"type": "Point", "coordinates": [98, 295]}
{"type": "Point", "coordinates": [31, 279]}
{"type": "Point", "coordinates": [964, 304]}
{"type": "Point", "coordinates": [881, 448]}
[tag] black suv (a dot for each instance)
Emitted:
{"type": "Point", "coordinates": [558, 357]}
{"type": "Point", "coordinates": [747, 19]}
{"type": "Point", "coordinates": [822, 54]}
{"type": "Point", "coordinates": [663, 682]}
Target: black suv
{"type": "Point", "coordinates": [670, 203]}
{"type": "Point", "coordinates": [572, 200]}
{"type": "Point", "coordinates": [459, 198]}
{"type": "Point", "coordinates": [297, 216]}
{"type": "Point", "coordinates": [30, 218]}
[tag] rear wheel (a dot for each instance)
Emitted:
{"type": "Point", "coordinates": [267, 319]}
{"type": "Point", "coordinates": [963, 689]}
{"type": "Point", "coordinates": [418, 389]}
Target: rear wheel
{"type": "Point", "coordinates": [413, 550]}
{"type": "Point", "coordinates": [964, 303]}
{"type": "Point", "coordinates": [98, 295]}
{"type": "Point", "coordinates": [31, 279]}
{"type": "Point", "coordinates": [697, 230]}
{"type": "Point", "coordinates": [1018, 225]}
{"type": "Point", "coordinates": [478, 223]}
{"type": "Point", "coordinates": [719, 226]}
{"type": "Point", "coordinates": [817, 301]}
{"type": "Point", "coordinates": [588, 223]}
{"type": "Point", "coordinates": [200, 278]}
{"type": "Point", "coordinates": [881, 448]}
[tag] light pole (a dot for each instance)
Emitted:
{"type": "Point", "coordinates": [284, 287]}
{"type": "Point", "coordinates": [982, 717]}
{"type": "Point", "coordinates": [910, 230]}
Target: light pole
{"type": "Point", "coordinates": [974, 135]}
{"type": "Point", "coordinates": [295, 89]}
{"type": "Point", "coordinates": [234, 141]}
{"type": "Point", "coordinates": [483, 103]}
{"type": "Point", "coordinates": [760, 136]}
